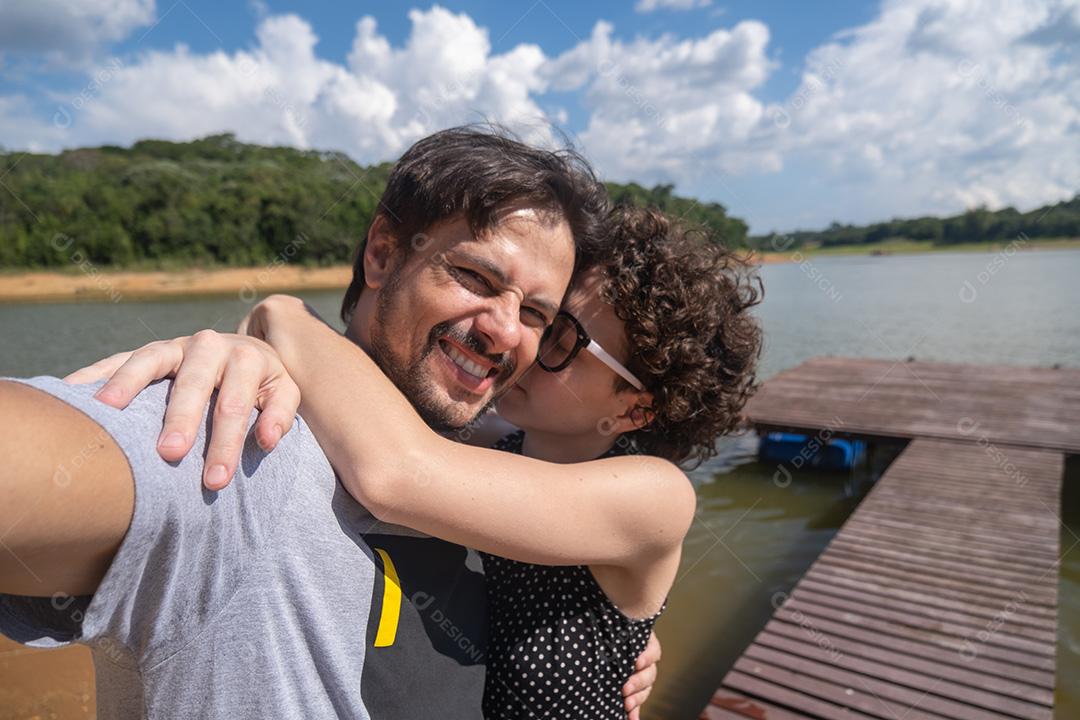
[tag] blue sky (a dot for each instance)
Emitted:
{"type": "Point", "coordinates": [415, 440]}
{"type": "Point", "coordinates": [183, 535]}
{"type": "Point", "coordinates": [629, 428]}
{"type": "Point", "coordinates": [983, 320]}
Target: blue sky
{"type": "Point", "coordinates": [792, 114]}
{"type": "Point", "coordinates": [555, 25]}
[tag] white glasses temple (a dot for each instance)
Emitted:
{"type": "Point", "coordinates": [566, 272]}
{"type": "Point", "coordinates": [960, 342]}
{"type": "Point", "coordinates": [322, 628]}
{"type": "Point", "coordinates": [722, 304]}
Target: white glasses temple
{"type": "Point", "coordinates": [606, 358]}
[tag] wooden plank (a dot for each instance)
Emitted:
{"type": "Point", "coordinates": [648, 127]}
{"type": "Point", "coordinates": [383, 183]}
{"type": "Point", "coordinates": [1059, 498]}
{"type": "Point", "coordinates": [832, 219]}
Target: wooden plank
{"type": "Point", "coordinates": [1044, 601]}
{"type": "Point", "coordinates": [914, 663]}
{"type": "Point", "coordinates": [888, 681]}
{"type": "Point", "coordinates": [1014, 523]}
{"type": "Point", "coordinates": [1002, 588]}
{"type": "Point", "coordinates": [848, 690]}
{"type": "Point", "coordinates": [949, 641]}
{"type": "Point", "coordinates": [1020, 521]}
{"type": "Point", "coordinates": [936, 599]}
{"type": "Point", "coordinates": [1038, 574]}
{"type": "Point", "coordinates": [946, 651]}
{"type": "Point", "coordinates": [1001, 407]}
{"type": "Point", "coordinates": [882, 527]}
{"type": "Point", "coordinates": [727, 704]}
{"type": "Point", "coordinates": [1039, 578]}
{"type": "Point", "coordinates": [935, 524]}
{"type": "Point", "coordinates": [999, 557]}
{"type": "Point", "coordinates": [972, 604]}
{"type": "Point", "coordinates": [712, 712]}
{"type": "Point", "coordinates": [784, 694]}
{"type": "Point", "coordinates": [926, 602]}
{"type": "Point", "coordinates": [933, 621]}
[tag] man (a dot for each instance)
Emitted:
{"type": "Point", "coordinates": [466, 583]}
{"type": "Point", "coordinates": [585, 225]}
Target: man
{"type": "Point", "coordinates": [279, 596]}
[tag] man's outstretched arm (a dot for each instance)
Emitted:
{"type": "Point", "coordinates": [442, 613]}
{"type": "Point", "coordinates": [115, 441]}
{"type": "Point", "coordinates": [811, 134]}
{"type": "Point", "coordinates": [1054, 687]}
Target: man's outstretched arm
{"type": "Point", "coordinates": [66, 496]}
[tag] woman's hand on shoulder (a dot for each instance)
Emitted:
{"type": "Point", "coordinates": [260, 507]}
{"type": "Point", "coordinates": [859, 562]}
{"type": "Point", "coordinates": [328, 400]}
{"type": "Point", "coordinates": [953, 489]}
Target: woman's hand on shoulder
{"type": "Point", "coordinates": [248, 372]}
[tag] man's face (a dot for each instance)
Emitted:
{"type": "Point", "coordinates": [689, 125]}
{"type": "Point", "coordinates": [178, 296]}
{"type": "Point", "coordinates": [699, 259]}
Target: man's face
{"type": "Point", "coordinates": [458, 321]}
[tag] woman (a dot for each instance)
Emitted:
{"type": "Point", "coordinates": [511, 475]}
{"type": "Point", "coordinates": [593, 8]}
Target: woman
{"type": "Point", "coordinates": [581, 518]}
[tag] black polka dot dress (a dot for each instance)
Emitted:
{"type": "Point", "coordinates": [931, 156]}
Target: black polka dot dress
{"type": "Point", "coordinates": [558, 647]}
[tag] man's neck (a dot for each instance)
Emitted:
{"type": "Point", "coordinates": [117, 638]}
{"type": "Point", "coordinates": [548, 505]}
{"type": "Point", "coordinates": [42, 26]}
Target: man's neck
{"type": "Point", "coordinates": [355, 336]}
{"type": "Point", "coordinates": [358, 329]}
{"type": "Point", "coordinates": [554, 447]}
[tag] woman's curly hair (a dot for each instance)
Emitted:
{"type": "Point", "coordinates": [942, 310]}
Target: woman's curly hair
{"type": "Point", "coordinates": [685, 300]}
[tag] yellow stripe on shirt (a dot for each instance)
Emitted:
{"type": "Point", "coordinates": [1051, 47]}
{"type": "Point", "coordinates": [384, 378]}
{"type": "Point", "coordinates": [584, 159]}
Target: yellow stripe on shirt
{"type": "Point", "coordinates": [391, 603]}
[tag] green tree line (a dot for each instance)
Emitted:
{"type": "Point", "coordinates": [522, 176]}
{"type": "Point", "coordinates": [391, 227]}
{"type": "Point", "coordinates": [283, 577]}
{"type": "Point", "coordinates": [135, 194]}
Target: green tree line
{"type": "Point", "coordinates": [217, 201]}
{"type": "Point", "coordinates": [1061, 220]}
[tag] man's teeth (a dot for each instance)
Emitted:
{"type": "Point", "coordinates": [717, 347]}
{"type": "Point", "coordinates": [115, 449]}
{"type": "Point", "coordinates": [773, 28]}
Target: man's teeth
{"type": "Point", "coordinates": [474, 369]}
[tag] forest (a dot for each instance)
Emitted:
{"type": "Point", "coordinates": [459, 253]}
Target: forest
{"type": "Point", "coordinates": [217, 202]}
{"type": "Point", "coordinates": [978, 225]}
{"type": "Point", "coordinates": [220, 202]}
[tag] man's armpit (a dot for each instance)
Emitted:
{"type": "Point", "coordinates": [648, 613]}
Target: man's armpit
{"type": "Point", "coordinates": [66, 495]}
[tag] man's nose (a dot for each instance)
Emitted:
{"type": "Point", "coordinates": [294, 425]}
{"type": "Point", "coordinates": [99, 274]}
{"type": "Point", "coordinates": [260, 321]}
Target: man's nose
{"type": "Point", "coordinates": [500, 324]}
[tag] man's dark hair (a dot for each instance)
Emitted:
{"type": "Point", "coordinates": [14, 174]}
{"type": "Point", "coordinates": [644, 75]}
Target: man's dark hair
{"type": "Point", "coordinates": [478, 170]}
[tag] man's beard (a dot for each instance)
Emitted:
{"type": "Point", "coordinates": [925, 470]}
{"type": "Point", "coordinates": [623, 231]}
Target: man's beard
{"type": "Point", "coordinates": [409, 376]}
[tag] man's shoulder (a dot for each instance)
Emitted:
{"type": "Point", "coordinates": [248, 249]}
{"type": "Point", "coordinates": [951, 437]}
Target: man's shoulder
{"type": "Point", "coordinates": [135, 429]}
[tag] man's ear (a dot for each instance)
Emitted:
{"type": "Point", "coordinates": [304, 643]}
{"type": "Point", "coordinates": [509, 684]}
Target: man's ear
{"type": "Point", "coordinates": [381, 253]}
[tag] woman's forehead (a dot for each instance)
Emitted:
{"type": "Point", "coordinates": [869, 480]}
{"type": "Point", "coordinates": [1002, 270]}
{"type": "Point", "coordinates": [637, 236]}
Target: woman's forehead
{"type": "Point", "coordinates": [585, 301]}
{"type": "Point", "coordinates": [586, 292]}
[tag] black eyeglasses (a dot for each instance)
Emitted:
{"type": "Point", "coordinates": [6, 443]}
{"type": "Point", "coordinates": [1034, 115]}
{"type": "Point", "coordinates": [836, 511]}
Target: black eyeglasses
{"type": "Point", "coordinates": [565, 338]}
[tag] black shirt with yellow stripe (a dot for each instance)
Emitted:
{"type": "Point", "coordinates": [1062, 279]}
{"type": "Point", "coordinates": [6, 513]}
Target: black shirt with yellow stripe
{"type": "Point", "coordinates": [427, 630]}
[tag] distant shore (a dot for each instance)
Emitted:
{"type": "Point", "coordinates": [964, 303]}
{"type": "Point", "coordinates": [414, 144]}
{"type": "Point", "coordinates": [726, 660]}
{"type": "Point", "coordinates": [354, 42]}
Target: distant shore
{"type": "Point", "coordinates": [88, 282]}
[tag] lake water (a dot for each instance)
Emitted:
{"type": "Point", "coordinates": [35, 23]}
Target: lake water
{"type": "Point", "coordinates": [752, 539]}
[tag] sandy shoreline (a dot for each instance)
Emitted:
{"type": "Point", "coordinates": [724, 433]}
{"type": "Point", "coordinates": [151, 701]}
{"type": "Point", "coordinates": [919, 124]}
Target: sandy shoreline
{"type": "Point", "coordinates": [88, 282]}
{"type": "Point", "coordinates": [117, 286]}
{"type": "Point", "coordinates": [91, 283]}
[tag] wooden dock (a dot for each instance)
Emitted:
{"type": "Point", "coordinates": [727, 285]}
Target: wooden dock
{"type": "Point", "coordinates": [938, 597]}
{"type": "Point", "coordinates": [1029, 407]}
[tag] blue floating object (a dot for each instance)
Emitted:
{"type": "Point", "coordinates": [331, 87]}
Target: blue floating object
{"type": "Point", "coordinates": [799, 451]}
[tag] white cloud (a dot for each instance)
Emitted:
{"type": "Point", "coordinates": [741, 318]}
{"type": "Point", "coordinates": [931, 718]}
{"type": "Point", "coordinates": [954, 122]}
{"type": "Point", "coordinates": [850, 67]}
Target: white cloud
{"type": "Point", "coordinates": [373, 107]}
{"type": "Point", "coordinates": [69, 31]}
{"type": "Point", "coordinates": [933, 106]}
{"type": "Point", "coordinates": [645, 6]}
{"type": "Point", "coordinates": [937, 106]}
{"type": "Point", "coordinates": [667, 109]}
{"type": "Point", "coordinates": [21, 129]}
{"type": "Point", "coordinates": [445, 74]}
